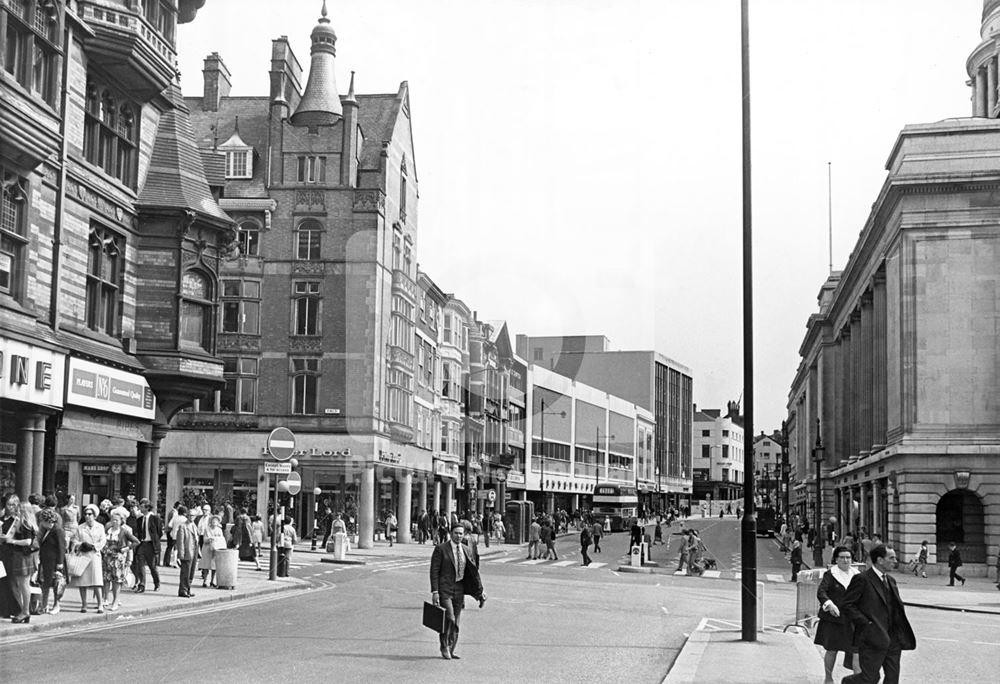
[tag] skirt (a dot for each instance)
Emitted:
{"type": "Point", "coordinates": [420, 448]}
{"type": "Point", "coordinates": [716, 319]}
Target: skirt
{"type": "Point", "coordinates": [207, 561]}
{"type": "Point", "coordinates": [93, 576]}
{"type": "Point", "coordinates": [21, 564]}
{"type": "Point", "coordinates": [835, 636]}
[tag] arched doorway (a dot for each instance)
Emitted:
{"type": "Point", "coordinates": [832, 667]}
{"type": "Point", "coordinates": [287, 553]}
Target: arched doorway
{"type": "Point", "coordinates": [959, 518]}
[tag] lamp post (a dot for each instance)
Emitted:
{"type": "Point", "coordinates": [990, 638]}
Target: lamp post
{"type": "Point", "coordinates": [784, 463]}
{"type": "Point", "coordinates": [818, 453]}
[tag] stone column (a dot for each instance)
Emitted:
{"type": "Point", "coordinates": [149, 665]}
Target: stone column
{"type": "Point", "coordinates": [142, 469]}
{"type": "Point", "coordinates": [405, 506]}
{"type": "Point", "coordinates": [846, 398]}
{"type": "Point", "coordinates": [866, 376]}
{"type": "Point", "coordinates": [25, 457]}
{"type": "Point", "coordinates": [423, 495]}
{"type": "Point", "coordinates": [366, 508]}
{"type": "Point", "coordinates": [448, 497]}
{"type": "Point", "coordinates": [38, 456]}
{"type": "Point", "coordinates": [437, 496]}
{"type": "Point", "coordinates": [981, 97]}
{"type": "Point", "coordinates": [857, 350]}
{"type": "Point", "coordinates": [501, 502]}
{"type": "Point", "coordinates": [863, 511]}
{"type": "Point", "coordinates": [159, 432]}
{"type": "Point", "coordinates": [880, 410]}
{"type": "Point", "coordinates": [878, 525]}
{"type": "Point", "coordinates": [991, 85]}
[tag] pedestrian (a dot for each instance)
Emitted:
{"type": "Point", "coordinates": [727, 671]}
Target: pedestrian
{"type": "Point", "coordinates": [213, 540]}
{"type": "Point", "coordinates": [115, 557]}
{"type": "Point", "coordinates": [534, 536]}
{"type": "Point", "coordinates": [784, 536]}
{"type": "Point", "coordinates": [658, 533]}
{"type": "Point", "coordinates": [51, 556]}
{"type": "Point", "coordinates": [186, 543]}
{"type": "Point", "coordinates": [390, 526]}
{"type": "Point", "coordinates": [549, 539]}
{"type": "Point", "coordinates": [167, 559]}
{"type": "Point", "coordinates": [835, 632]}
{"type": "Point", "coordinates": [739, 513]}
{"type": "Point", "coordinates": [88, 541]}
{"type": "Point", "coordinates": [683, 556]}
{"type": "Point", "coordinates": [148, 533]}
{"type": "Point", "coordinates": [242, 538]}
{"type": "Point", "coordinates": [257, 529]}
{"type": "Point", "coordinates": [796, 559]}
{"type": "Point", "coordinates": [453, 571]}
{"type": "Point", "coordinates": [954, 563]}
{"type": "Point", "coordinates": [22, 541]}
{"type": "Point", "coordinates": [70, 514]}
{"type": "Point", "coordinates": [919, 568]}
{"type": "Point", "coordinates": [500, 530]}
{"type": "Point", "coordinates": [287, 538]}
{"type": "Point", "coordinates": [998, 567]}
{"type": "Point", "coordinates": [881, 629]}
{"type": "Point", "coordinates": [586, 536]}
{"type": "Point", "coordinates": [598, 531]}
{"type": "Point", "coordinates": [635, 533]}
{"type": "Point", "coordinates": [326, 525]}
{"type": "Point", "coordinates": [607, 525]}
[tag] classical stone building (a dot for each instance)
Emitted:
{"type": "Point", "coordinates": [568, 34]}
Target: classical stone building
{"type": "Point", "coordinates": [110, 243]}
{"type": "Point", "coordinates": [900, 367]}
{"type": "Point", "coordinates": [718, 455]}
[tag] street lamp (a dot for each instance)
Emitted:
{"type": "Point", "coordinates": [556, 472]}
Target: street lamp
{"type": "Point", "coordinates": [784, 464]}
{"type": "Point", "coordinates": [541, 455]}
{"type": "Point", "coordinates": [818, 453]}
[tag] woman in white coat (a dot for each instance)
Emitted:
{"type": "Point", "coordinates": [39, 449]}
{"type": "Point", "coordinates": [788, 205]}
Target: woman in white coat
{"type": "Point", "coordinates": [88, 541]}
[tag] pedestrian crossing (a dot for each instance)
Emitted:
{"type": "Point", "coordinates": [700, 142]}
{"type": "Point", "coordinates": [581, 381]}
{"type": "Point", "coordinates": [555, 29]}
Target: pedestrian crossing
{"type": "Point", "coordinates": [594, 565]}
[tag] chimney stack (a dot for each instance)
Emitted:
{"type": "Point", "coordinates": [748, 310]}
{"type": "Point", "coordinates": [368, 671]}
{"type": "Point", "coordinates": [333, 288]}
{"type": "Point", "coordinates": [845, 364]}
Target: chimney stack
{"type": "Point", "coordinates": [217, 82]}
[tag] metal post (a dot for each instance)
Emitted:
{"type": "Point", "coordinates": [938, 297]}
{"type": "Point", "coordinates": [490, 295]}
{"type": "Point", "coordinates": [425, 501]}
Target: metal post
{"type": "Point", "coordinates": [272, 571]}
{"type": "Point", "coordinates": [818, 453]}
{"type": "Point", "coordinates": [748, 528]}
{"type": "Point", "coordinates": [784, 464]}
{"type": "Point", "coordinates": [541, 460]}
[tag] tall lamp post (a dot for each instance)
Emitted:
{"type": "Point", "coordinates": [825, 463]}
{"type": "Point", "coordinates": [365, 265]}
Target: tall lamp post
{"type": "Point", "coordinates": [541, 455]}
{"type": "Point", "coordinates": [818, 453]}
{"type": "Point", "coordinates": [784, 464]}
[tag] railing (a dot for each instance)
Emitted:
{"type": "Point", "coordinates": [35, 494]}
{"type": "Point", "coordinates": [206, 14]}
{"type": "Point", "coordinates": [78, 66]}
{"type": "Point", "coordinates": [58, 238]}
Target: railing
{"type": "Point", "coordinates": [120, 18]}
{"type": "Point", "coordinates": [402, 283]}
{"type": "Point", "coordinates": [515, 436]}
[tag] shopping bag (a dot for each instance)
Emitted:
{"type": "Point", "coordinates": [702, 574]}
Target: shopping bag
{"type": "Point", "coordinates": [35, 602]}
{"type": "Point", "coordinates": [77, 563]}
{"type": "Point", "coordinates": [3, 570]}
{"type": "Point", "coordinates": [434, 617]}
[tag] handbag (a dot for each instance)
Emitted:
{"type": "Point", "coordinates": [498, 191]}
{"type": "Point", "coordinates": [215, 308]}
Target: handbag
{"type": "Point", "coordinates": [77, 563]}
{"type": "Point", "coordinates": [218, 543]}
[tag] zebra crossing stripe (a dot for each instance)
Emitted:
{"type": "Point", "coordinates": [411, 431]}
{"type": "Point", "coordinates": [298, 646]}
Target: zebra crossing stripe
{"type": "Point", "coordinates": [563, 564]}
{"type": "Point", "coordinates": [594, 565]}
{"type": "Point", "coordinates": [501, 560]}
{"type": "Point", "coordinates": [714, 574]}
{"type": "Point", "coordinates": [536, 561]}
{"type": "Point", "coordinates": [775, 578]}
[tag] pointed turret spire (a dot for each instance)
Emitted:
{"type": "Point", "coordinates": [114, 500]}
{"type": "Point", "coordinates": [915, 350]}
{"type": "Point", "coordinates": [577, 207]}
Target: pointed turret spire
{"type": "Point", "coordinates": [350, 91]}
{"type": "Point", "coordinates": [320, 104]}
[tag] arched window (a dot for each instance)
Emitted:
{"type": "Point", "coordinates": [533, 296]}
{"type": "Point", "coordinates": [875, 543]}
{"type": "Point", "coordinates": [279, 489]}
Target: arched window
{"type": "Point", "coordinates": [249, 237]}
{"type": "Point", "coordinates": [111, 133]}
{"type": "Point", "coordinates": [105, 270]}
{"type": "Point", "coordinates": [308, 238]}
{"type": "Point", "coordinates": [196, 307]}
{"type": "Point", "coordinates": [13, 232]}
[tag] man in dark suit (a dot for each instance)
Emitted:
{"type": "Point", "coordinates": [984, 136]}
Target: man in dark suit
{"type": "Point", "coordinates": [453, 575]}
{"type": "Point", "coordinates": [149, 531]}
{"type": "Point", "coordinates": [881, 630]}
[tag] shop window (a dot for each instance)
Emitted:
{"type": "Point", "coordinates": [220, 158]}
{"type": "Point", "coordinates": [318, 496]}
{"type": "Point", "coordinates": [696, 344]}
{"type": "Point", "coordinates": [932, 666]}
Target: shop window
{"type": "Point", "coordinates": [105, 269]}
{"type": "Point", "coordinates": [248, 238]}
{"type": "Point", "coordinates": [305, 386]}
{"type": "Point", "coordinates": [306, 309]}
{"type": "Point", "coordinates": [240, 392]}
{"type": "Point", "coordinates": [111, 132]}
{"type": "Point", "coordinates": [13, 233]}
{"type": "Point", "coordinates": [241, 306]}
{"type": "Point", "coordinates": [196, 307]}
{"type": "Point", "coordinates": [31, 48]}
{"type": "Point", "coordinates": [308, 237]}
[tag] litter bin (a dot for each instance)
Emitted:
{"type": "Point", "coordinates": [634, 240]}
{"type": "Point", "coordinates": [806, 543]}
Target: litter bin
{"type": "Point", "coordinates": [340, 546]}
{"type": "Point", "coordinates": [226, 563]}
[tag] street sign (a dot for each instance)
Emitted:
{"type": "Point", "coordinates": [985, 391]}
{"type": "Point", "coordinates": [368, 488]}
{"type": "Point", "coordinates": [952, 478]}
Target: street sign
{"type": "Point", "coordinates": [294, 481]}
{"type": "Point", "coordinates": [278, 468]}
{"type": "Point", "coordinates": [491, 494]}
{"type": "Point", "coordinates": [281, 443]}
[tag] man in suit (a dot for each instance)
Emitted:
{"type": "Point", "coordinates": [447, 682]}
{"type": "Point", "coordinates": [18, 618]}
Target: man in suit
{"type": "Point", "coordinates": [881, 630]}
{"type": "Point", "coordinates": [453, 575]}
{"type": "Point", "coordinates": [186, 542]}
{"type": "Point", "coordinates": [149, 531]}
{"type": "Point", "coordinates": [954, 563]}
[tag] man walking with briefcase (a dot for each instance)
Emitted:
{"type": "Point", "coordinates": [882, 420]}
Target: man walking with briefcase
{"type": "Point", "coordinates": [453, 575]}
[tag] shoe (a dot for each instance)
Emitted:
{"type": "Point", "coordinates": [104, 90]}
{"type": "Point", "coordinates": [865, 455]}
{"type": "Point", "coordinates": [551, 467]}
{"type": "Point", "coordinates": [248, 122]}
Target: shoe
{"type": "Point", "coordinates": [113, 607]}
{"type": "Point", "coordinates": [156, 587]}
{"type": "Point", "coordinates": [455, 656]}
{"type": "Point", "coordinates": [21, 620]}
{"type": "Point", "coordinates": [204, 585]}
{"type": "Point", "coordinates": [445, 654]}
{"type": "Point", "coordinates": [100, 609]}
{"type": "Point", "coordinates": [924, 575]}
{"type": "Point", "coordinates": [963, 581]}
{"type": "Point", "coordinates": [54, 610]}
{"type": "Point", "coordinates": [140, 589]}
{"type": "Point", "coordinates": [84, 609]}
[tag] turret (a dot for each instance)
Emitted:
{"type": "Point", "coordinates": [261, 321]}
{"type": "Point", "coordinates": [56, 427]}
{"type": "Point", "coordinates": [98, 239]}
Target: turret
{"type": "Point", "coordinates": [320, 104]}
{"type": "Point", "coordinates": [982, 63]}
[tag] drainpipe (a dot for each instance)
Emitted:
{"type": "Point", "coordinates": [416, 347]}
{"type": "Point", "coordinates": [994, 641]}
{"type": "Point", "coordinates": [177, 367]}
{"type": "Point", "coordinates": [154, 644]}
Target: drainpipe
{"type": "Point", "coordinates": [57, 225]}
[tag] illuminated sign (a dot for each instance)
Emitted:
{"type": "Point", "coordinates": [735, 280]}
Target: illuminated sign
{"type": "Point", "coordinates": [109, 389]}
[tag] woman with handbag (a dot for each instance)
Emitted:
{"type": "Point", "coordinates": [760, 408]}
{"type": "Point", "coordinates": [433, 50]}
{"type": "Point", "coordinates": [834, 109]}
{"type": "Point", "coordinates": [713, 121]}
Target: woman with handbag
{"type": "Point", "coordinates": [84, 565]}
{"type": "Point", "coordinates": [243, 538]}
{"type": "Point", "coordinates": [286, 542]}
{"type": "Point", "coordinates": [835, 632]}
{"type": "Point", "coordinates": [215, 540]}
{"type": "Point", "coordinates": [51, 556]}
{"type": "Point", "coordinates": [8, 514]}
{"type": "Point", "coordinates": [115, 556]}
{"type": "Point", "coordinates": [22, 540]}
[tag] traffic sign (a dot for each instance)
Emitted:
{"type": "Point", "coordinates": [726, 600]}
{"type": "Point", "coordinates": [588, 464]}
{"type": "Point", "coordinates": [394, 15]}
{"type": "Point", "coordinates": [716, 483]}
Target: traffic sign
{"type": "Point", "coordinates": [294, 481]}
{"type": "Point", "coordinates": [491, 494]}
{"type": "Point", "coordinates": [279, 468]}
{"type": "Point", "coordinates": [281, 443]}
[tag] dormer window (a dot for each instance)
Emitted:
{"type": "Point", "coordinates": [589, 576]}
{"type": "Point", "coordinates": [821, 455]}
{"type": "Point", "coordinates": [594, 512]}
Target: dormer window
{"type": "Point", "coordinates": [239, 156]}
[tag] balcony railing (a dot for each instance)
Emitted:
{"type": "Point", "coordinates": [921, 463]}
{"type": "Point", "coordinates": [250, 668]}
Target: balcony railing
{"type": "Point", "coordinates": [515, 437]}
{"type": "Point", "coordinates": [401, 283]}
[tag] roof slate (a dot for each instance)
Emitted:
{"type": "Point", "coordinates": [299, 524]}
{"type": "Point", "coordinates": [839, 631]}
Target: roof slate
{"type": "Point", "coordinates": [176, 176]}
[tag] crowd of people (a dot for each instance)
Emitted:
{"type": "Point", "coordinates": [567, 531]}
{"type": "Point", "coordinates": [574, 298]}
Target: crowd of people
{"type": "Point", "coordinates": [49, 544]}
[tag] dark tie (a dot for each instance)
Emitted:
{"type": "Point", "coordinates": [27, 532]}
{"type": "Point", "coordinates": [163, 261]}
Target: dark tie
{"type": "Point", "coordinates": [461, 562]}
{"type": "Point", "coordinates": [142, 529]}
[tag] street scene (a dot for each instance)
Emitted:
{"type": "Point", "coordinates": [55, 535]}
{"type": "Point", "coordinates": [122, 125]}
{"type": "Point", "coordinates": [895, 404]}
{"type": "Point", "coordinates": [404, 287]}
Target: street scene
{"type": "Point", "coordinates": [506, 340]}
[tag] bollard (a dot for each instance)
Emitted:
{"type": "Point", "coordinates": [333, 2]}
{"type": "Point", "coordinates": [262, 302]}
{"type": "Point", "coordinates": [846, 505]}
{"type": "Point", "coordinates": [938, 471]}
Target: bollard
{"type": "Point", "coordinates": [760, 606]}
{"type": "Point", "coordinates": [635, 557]}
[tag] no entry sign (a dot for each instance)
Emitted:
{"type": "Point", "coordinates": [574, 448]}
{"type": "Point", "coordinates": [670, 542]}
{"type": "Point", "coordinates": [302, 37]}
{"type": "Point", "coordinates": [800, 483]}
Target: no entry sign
{"type": "Point", "coordinates": [281, 443]}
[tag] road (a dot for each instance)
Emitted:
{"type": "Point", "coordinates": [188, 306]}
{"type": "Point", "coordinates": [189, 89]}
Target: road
{"type": "Point", "coordinates": [542, 622]}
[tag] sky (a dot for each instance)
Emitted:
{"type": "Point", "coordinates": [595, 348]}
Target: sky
{"type": "Point", "coordinates": [579, 161]}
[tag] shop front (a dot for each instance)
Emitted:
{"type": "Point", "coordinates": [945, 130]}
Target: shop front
{"type": "Point", "coordinates": [31, 395]}
{"type": "Point", "coordinates": [108, 418]}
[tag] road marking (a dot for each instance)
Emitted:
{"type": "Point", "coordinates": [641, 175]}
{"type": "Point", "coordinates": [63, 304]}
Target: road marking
{"type": "Point", "coordinates": [595, 565]}
{"type": "Point", "coordinates": [713, 574]}
{"type": "Point", "coordinates": [501, 560]}
{"type": "Point", "coordinates": [327, 572]}
{"type": "Point", "coordinates": [775, 578]}
{"type": "Point", "coordinates": [951, 641]}
{"type": "Point", "coordinates": [535, 561]}
{"type": "Point", "coordinates": [563, 564]}
{"type": "Point", "coordinates": [664, 608]}
{"type": "Point", "coordinates": [986, 643]}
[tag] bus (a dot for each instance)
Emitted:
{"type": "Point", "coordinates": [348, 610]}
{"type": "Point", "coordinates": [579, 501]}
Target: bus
{"type": "Point", "coordinates": [617, 502]}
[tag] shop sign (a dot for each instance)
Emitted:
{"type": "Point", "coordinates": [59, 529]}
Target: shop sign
{"type": "Point", "coordinates": [313, 452]}
{"type": "Point", "coordinates": [96, 468]}
{"type": "Point", "coordinates": [388, 457]}
{"type": "Point", "coordinates": [446, 469]}
{"type": "Point", "coordinates": [31, 374]}
{"type": "Point", "coordinates": [515, 477]}
{"type": "Point", "coordinates": [8, 449]}
{"type": "Point", "coordinates": [109, 426]}
{"type": "Point", "coordinates": [109, 389]}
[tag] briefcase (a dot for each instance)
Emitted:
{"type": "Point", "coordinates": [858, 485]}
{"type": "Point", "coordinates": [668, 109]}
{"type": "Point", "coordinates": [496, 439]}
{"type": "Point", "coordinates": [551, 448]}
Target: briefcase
{"type": "Point", "coordinates": [434, 617]}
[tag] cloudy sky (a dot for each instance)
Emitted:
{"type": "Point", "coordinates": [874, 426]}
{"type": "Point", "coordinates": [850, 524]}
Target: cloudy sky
{"type": "Point", "coordinates": [579, 161]}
